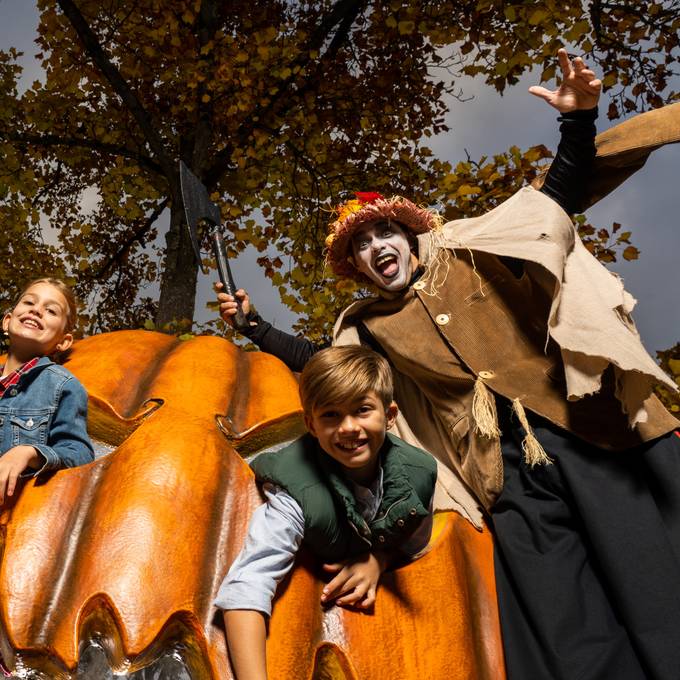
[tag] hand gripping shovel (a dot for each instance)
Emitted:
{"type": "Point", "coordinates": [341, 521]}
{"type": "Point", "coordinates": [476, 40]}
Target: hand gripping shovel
{"type": "Point", "coordinates": [200, 210]}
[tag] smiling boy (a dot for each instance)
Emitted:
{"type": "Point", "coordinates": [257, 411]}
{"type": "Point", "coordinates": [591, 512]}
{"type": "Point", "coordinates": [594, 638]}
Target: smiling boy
{"type": "Point", "coordinates": [353, 494]}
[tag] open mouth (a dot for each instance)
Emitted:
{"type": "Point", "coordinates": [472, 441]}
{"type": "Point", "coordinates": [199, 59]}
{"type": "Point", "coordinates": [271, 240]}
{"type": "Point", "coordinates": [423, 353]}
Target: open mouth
{"type": "Point", "coordinates": [387, 264]}
{"type": "Point", "coordinates": [30, 322]}
{"type": "Point", "coordinates": [352, 446]}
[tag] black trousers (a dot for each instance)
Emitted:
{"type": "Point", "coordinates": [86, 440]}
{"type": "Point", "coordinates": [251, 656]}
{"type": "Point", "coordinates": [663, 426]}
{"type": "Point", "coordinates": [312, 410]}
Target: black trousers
{"type": "Point", "coordinates": [588, 560]}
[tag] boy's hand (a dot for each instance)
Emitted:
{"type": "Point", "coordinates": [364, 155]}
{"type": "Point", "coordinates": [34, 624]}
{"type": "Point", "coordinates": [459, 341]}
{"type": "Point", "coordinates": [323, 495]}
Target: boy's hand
{"type": "Point", "coordinates": [12, 464]}
{"type": "Point", "coordinates": [356, 581]}
{"type": "Point", "coordinates": [580, 90]}
{"type": "Point", "coordinates": [228, 304]}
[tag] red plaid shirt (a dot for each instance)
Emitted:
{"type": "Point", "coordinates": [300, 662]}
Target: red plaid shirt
{"type": "Point", "coordinates": [14, 377]}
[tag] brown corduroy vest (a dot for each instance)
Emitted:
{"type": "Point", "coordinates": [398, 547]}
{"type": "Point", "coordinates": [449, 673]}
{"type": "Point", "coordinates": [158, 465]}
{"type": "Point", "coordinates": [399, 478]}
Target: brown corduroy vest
{"type": "Point", "coordinates": [484, 322]}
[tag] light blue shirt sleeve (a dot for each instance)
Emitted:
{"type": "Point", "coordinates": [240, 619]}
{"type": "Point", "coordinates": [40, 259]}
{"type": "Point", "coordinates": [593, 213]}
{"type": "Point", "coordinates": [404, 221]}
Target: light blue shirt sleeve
{"type": "Point", "coordinates": [274, 536]}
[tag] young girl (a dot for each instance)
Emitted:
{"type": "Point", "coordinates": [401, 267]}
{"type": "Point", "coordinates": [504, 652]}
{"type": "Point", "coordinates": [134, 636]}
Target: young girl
{"type": "Point", "coordinates": [43, 407]}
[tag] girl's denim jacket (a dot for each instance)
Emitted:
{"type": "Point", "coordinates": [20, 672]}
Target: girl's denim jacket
{"type": "Point", "coordinates": [47, 409]}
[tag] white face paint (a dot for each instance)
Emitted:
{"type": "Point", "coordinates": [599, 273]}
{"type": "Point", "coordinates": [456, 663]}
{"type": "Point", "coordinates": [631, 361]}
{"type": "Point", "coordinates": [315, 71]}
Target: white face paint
{"type": "Point", "coordinates": [382, 253]}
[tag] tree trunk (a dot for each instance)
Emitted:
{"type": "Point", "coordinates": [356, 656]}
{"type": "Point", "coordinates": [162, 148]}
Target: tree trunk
{"type": "Point", "coordinates": [178, 282]}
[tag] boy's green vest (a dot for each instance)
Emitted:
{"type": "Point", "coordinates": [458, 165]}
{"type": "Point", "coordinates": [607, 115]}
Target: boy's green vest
{"type": "Point", "coordinates": [334, 528]}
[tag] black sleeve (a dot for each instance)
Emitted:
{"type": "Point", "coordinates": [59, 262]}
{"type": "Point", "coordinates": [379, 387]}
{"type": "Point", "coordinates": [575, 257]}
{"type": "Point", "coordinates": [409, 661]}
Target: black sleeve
{"type": "Point", "coordinates": [569, 173]}
{"type": "Point", "coordinates": [294, 351]}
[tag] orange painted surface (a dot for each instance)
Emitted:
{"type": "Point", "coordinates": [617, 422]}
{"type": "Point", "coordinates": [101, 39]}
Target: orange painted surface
{"type": "Point", "coordinates": [131, 548]}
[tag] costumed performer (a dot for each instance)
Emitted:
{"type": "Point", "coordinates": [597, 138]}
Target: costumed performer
{"type": "Point", "coordinates": [517, 363]}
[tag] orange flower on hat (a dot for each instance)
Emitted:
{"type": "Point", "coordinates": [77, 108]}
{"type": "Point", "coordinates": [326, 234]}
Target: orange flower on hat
{"type": "Point", "coordinates": [348, 208]}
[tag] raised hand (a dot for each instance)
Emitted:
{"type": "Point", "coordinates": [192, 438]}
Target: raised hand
{"type": "Point", "coordinates": [579, 90]}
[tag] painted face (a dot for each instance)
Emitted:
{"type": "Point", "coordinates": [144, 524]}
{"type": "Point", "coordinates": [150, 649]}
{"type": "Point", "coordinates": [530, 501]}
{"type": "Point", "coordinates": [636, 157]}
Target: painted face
{"type": "Point", "coordinates": [36, 326]}
{"type": "Point", "coordinates": [381, 252]}
{"type": "Point", "coordinates": [353, 433]}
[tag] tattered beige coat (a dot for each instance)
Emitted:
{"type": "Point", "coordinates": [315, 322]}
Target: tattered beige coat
{"type": "Point", "coordinates": [545, 339]}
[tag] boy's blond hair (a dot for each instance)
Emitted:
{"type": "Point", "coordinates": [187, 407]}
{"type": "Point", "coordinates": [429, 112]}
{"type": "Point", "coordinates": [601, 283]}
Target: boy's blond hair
{"type": "Point", "coordinates": [341, 374]}
{"type": "Point", "coordinates": [71, 303]}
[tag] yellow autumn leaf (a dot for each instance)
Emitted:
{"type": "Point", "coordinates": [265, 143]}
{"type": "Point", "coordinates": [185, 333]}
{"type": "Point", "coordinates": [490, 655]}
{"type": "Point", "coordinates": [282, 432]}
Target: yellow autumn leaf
{"type": "Point", "coordinates": [631, 253]}
{"type": "Point", "coordinates": [467, 190]}
{"type": "Point", "coordinates": [538, 16]}
{"type": "Point", "coordinates": [609, 80]}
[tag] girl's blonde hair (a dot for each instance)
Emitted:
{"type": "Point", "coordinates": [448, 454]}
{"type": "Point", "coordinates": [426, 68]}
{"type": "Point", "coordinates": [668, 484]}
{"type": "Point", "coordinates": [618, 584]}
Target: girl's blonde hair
{"type": "Point", "coordinates": [71, 302]}
{"type": "Point", "coordinates": [341, 374]}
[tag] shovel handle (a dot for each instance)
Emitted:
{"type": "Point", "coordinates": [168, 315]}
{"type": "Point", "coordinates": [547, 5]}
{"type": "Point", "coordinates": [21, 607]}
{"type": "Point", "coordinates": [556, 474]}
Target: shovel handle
{"type": "Point", "coordinates": [224, 270]}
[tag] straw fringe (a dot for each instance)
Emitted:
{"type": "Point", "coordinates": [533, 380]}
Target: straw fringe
{"type": "Point", "coordinates": [438, 267]}
{"type": "Point", "coordinates": [534, 453]}
{"type": "Point", "coordinates": [484, 413]}
{"type": "Point", "coordinates": [438, 270]}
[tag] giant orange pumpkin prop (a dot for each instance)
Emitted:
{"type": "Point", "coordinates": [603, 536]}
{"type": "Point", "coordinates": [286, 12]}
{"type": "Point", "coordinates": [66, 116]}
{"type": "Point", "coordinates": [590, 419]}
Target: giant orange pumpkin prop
{"type": "Point", "coordinates": [130, 549]}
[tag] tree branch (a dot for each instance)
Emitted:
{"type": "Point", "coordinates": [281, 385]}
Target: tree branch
{"type": "Point", "coordinates": [94, 49]}
{"type": "Point", "coordinates": [136, 235]}
{"type": "Point", "coordinates": [82, 143]}
{"type": "Point", "coordinates": [195, 144]}
{"type": "Point", "coordinates": [344, 12]}
{"type": "Point", "coordinates": [348, 18]}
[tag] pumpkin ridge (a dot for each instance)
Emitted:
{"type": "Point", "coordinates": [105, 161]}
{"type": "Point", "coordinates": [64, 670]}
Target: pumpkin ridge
{"type": "Point", "coordinates": [69, 549]}
{"type": "Point", "coordinates": [147, 379]}
{"type": "Point", "coordinates": [235, 509]}
{"type": "Point", "coordinates": [263, 434]}
{"type": "Point", "coordinates": [106, 424]}
{"type": "Point", "coordinates": [246, 431]}
{"type": "Point", "coordinates": [185, 370]}
{"type": "Point", "coordinates": [134, 359]}
{"type": "Point", "coordinates": [100, 621]}
{"type": "Point", "coordinates": [237, 410]}
{"type": "Point", "coordinates": [16, 563]}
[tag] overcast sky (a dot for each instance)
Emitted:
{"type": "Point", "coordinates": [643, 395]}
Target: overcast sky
{"type": "Point", "coordinates": [647, 204]}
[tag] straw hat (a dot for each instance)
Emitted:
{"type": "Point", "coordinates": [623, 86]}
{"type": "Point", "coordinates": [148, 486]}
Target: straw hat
{"type": "Point", "coordinates": [372, 207]}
